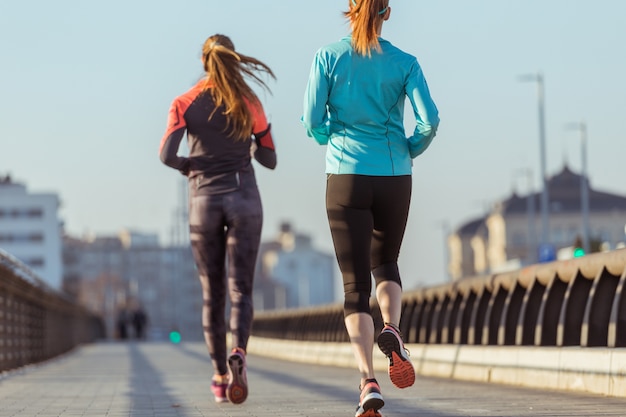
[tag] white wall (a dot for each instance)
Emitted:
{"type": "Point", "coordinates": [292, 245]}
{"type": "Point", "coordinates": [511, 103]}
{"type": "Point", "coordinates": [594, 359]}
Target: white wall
{"type": "Point", "coordinates": [30, 230]}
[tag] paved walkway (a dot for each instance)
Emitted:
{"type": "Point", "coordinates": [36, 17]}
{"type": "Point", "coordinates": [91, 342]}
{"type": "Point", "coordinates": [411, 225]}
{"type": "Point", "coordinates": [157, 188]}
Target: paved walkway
{"type": "Point", "coordinates": [163, 380]}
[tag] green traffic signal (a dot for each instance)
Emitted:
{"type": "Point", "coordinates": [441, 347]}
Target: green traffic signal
{"type": "Point", "coordinates": [578, 252]}
{"type": "Point", "coordinates": [175, 337]}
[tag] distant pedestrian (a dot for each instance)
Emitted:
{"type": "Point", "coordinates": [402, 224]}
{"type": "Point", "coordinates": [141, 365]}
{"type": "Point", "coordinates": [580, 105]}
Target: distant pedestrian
{"type": "Point", "coordinates": [354, 104]}
{"type": "Point", "coordinates": [139, 321]}
{"type": "Point", "coordinates": [225, 122]}
{"type": "Point", "coordinates": [121, 323]}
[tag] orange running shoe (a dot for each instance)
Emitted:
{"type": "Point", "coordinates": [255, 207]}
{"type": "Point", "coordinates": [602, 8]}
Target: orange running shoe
{"type": "Point", "coordinates": [401, 371]}
{"type": "Point", "coordinates": [370, 401]}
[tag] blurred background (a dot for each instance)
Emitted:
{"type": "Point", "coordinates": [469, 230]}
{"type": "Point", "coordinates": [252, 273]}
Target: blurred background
{"type": "Point", "coordinates": [524, 169]}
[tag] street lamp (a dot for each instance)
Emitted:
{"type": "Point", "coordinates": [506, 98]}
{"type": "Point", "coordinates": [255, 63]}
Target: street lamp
{"type": "Point", "coordinates": [584, 181]}
{"type": "Point", "coordinates": [530, 212]}
{"type": "Point", "coordinates": [538, 78]}
{"type": "Point", "coordinates": [445, 228]}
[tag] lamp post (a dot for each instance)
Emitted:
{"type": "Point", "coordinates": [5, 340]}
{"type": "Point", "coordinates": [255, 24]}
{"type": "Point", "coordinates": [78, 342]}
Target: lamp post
{"type": "Point", "coordinates": [445, 228]}
{"type": "Point", "coordinates": [545, 227]}
{"type": "Point", "coordinates": [530, 213]}
{"type": "Point", "coordinates": [584, 182]}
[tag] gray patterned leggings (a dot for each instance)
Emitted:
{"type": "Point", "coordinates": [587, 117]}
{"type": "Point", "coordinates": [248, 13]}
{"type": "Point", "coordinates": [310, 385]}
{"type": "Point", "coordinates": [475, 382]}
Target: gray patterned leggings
{"type": "Point", "coordinates": [225, 232]}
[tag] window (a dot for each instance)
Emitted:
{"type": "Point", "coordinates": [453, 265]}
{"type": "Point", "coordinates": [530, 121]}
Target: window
{"type": "Point", "coordinates": [35, 262]}
{"type": "Point", "coordinates": [24, 237]}
{"type": "Point", "coordinates": [21, 213]}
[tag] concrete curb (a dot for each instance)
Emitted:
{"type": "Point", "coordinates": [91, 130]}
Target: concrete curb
{"type": "Point", "coordinates": [591, 370]}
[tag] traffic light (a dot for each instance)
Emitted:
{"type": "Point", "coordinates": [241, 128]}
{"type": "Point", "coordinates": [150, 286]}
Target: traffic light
{"type": "Point", "coordinates": [175, 337]}
{"type": "Point", "coordinates": [578, 248]}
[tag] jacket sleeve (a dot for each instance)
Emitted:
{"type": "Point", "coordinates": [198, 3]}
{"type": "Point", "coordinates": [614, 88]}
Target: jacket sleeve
{"type": "Point", "coordinates": [168, 150]}
{"type": "Point", "coordinates": [265, 151]}
{"type": "Point", "coordinates": [424, 110]}
{"type": "Point", "coordinates": [315, 114]}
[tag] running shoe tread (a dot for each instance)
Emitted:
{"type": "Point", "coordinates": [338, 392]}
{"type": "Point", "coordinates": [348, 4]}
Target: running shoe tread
{"type": "Point", "coordinates": [401, 371]}
{"type": "Point", "coordinates": [237, 390]}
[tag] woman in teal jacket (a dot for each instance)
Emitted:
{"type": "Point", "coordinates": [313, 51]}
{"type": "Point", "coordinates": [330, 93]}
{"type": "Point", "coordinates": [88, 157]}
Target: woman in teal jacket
{"type": "Point", "coordinates": [354, 104]}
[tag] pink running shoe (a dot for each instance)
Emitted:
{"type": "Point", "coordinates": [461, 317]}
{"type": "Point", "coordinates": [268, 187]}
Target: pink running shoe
{"type": "Point", "coordinates": [219, 391]}
{"type": "Point", "coordinates": [237, 390]}
{"type": "Point", "coordinates": [370, 401]}
{"type": "Point", "coordinates": [401, 371]}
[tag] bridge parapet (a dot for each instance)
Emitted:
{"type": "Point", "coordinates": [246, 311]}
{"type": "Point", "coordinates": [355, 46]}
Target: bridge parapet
{"type": "Point", "coordinates": [37, 322]}
{"type": "Point", "coordinates": [560, 325]}
{"type": "Point", "coordinates": [577, 302]}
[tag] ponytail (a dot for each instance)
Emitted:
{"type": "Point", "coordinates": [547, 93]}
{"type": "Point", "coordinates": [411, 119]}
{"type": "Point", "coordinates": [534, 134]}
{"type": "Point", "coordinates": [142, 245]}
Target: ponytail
{"type": "Point", "coordinates": [365, 18]}
{"type": "Point", "coordinates": [226, 81]}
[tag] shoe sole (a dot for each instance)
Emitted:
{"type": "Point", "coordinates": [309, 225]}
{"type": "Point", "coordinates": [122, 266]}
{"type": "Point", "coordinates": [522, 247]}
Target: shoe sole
{"type": "Point", "coordinates": [237, 390]}
{"type": "Point", "coordinates": [401, 371]}
{"type": "Point", "coordinates": [373, 404]}
{"type": "Point", "coordinates": [370, 413]}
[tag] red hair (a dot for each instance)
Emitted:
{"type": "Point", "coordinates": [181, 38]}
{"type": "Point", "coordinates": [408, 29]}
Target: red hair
{"type": "Point", "coordinates": [365, 17]}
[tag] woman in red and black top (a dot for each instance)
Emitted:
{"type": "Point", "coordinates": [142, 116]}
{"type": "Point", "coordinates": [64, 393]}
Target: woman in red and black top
{"type": "Point", "coordinates": [225, 125]}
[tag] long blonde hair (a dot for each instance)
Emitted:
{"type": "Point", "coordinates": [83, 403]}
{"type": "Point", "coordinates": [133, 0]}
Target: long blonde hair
{"type": "Point", "coordinates": [365, 17]}
{"type": "Point", "coordinates": [226, 80]}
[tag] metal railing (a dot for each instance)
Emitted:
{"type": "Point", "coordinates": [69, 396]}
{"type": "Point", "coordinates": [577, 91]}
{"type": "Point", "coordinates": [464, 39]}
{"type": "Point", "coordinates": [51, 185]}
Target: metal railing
{"type": "Point", "coordinates": [37, 322]}
{"type": "Point", "coordinates": [577, 302]}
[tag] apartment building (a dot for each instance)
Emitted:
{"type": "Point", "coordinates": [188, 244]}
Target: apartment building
{"type": "Point", "coordinates": [30, 229]}
{"type": "Point", "coordinates": [291, 272]}
{"type": "Point", "coordinates": [507, 237]}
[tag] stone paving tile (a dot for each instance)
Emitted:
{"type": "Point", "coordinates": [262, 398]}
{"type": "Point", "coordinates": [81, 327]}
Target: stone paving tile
{"type": "Point", "coordinates": [163, 380]}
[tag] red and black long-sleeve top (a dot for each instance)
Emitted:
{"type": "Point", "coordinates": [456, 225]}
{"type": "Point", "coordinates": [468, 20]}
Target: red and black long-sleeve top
{"type": "Point", "coordinates": [212, 153]}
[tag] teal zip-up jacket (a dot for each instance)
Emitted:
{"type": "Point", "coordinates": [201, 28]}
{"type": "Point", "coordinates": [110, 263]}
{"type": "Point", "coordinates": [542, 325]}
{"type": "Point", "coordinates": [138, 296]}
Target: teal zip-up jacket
{"type": "Point", "coordinates": [355, 105]}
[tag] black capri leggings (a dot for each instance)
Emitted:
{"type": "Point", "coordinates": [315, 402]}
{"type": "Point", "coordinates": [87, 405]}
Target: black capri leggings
{"type": "Point", "coordinates": [367, 217]}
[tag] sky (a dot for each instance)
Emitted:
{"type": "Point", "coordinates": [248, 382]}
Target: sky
{"type": "Point", "coordinates": [85, 89]}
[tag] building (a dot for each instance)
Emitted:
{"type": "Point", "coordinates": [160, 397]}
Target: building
{"type": "Point", "coordinates": [114, 275]}
{"type": "Point", "coordinates": [30, 229]}
{"type": "Point", "coordinates": [291, 273]}
{"type": "Point", "coordinates": [507, 237]}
